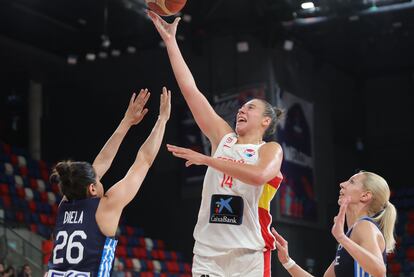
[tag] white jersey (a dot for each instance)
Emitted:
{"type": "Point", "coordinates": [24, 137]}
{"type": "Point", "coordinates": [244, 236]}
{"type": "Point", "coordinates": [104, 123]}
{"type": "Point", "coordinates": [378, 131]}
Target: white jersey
{"type": "Point", "coordinates": [234, 214]}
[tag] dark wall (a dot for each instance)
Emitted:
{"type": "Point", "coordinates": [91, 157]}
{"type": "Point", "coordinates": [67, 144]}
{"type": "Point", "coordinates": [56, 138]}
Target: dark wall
{"type": "Point", "coordinates": [84, 103]}
{"type": "Point", "coordinates": [389, 125]}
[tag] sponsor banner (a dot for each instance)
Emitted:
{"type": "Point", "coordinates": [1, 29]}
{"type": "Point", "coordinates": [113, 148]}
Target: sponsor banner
{"type": "Point", "coordinates": [295, 134]}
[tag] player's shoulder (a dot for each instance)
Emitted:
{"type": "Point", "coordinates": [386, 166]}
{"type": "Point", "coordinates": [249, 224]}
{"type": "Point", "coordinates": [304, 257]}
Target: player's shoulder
{"type": "Point", "coordinates": [271, 146]}
{"type": "Point", "coordinates": [364, 228]}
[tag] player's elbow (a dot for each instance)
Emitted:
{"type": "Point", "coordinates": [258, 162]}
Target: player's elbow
{"type": "Point", "coordinates": [258, 179]}
{"type": "Point", "coordinates": [145, 159]}
{"type": "Point", "coordinates": [380, 271]}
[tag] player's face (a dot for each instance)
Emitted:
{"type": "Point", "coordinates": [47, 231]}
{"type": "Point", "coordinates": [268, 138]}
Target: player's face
{"type": "Point", "coordinates": [352, 188]}
{"type": "Point", "coordinates": [250, 116]}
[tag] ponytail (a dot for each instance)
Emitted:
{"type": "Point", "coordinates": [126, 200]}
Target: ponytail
{"type": "Point", "coordinates": [386, 220]}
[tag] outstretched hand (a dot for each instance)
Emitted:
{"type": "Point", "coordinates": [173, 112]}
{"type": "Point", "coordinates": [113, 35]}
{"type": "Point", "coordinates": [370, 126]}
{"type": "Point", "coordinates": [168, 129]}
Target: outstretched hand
{"type": "Point", "coordinates": [165, 104]}
{"type": "Point", "coordinates": [166, 30]}
{"type": "Point", "coordinates": [281, 247]}
{"type": "Point", "coordinates": [191, 156]}
{"type": "Point", "coordinates": [339, 221]}
{"type": "Point", "coordinates": [136, 111]}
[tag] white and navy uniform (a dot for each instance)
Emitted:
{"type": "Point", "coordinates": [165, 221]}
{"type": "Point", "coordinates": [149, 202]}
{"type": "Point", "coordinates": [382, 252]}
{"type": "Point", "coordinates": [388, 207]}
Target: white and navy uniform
{"type": "Point", "coordinates": [234, 218]}
{"type": "Point", "coordinates": [80, 249]}
{"type": "Point", "coordinates": [345, 265]}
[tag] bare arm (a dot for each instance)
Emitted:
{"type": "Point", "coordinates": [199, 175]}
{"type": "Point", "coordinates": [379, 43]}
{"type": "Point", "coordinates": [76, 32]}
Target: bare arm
{"type": "Point", "coordinates": [283, 256]}
{"type": "Point", "coordinates": [267, 167]}
{"type": "Point", "coordinates": [120, 194]}
{"type": "Point", "coordinates": [364, 246]}
{"type": "Point", "coordinates": [134, 114]}
{"type": "Point", "coordinates": [210, 123]}
{"type": "Point", "coordinates": [367, 251]}
{"type": "Point", "coordinates": [330, 272]}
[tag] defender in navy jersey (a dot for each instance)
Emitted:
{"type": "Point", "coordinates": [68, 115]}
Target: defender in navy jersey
{"type": "Point", "coordinates": [88, 218]}
{"type": "Point", "coordinates": [364, 203]}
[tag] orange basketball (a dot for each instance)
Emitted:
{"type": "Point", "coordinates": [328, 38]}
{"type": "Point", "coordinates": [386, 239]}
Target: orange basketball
{"type": "Point", "coordinates": [166, 7]}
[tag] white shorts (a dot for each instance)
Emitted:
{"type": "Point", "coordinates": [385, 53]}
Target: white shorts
{"type": "Point", "coordinates": [237, 263]}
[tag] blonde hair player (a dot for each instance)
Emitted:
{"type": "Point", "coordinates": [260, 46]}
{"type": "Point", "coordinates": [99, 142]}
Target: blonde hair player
{"type": "Point", "coordinates": [232, 235]}
{"type": "Point", "coordinates": [364, 203]}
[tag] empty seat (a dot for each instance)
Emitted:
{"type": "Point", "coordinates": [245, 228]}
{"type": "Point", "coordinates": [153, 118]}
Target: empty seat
{"type": "Point", "coordinates": [136, 264]}
{"type": "Point", "coordinates": [8, 169]}
{"type": "Point", "coordinates": [21, 161]}
{"type": "Point", "coordinates": [28, 193]}
{"type": "Point", "coordinates": [18, 180]}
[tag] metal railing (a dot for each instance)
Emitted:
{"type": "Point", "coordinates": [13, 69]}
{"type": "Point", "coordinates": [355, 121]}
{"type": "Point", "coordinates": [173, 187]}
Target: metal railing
{"type": "Point", "coordinates": [18, 250]}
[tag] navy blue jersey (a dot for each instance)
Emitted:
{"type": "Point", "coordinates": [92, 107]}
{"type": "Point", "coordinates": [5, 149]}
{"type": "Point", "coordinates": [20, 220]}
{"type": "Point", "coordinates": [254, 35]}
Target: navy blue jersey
{"type": "Point", "coordinates": [345, 265]}
{"type": "Point", "coordinates": [80, 249]}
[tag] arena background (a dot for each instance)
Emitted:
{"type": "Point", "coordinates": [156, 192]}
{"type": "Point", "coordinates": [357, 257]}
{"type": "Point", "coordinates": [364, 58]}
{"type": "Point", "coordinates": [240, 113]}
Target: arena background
{"type": "Point", "coordinates": [356, 67]}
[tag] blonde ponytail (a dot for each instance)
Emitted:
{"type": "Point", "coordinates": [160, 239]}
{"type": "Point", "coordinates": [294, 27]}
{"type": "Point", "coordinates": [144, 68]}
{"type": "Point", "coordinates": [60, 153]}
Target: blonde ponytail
{"type": "Point", "coordinates": [386, 220]}
{"type": "Point", "coordinates": [384, 212]}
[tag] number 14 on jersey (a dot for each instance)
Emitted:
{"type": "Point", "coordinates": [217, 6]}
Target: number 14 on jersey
{"type": "Point", "coordinates": [227, 181]}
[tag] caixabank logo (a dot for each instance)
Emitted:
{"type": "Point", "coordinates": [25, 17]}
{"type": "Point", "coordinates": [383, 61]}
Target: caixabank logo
{"type": "Point", "coordinates": [226, 209]}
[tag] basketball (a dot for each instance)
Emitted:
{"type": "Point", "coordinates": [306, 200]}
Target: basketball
{"type": "Point", "coordinates": [166, 7]}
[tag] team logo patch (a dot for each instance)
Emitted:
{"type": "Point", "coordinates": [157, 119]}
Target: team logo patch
{"type": "Point", "coordinates": [226, 209]}
{"type": "Point", "coordinates": [249, 152]}
{"type": "Point", "coordinates": [70, 273]}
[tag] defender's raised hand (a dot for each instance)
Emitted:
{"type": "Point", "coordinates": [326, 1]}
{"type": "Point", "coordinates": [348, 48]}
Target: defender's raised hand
{"type": "Point", "coordinates": [165, 104]}
{"type": "Point", "coordinates": [136, 111]}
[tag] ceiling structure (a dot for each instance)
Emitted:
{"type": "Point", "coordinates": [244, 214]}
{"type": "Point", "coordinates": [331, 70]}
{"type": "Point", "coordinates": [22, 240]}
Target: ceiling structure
{"type": "Point", "coordinates": [357, 36]}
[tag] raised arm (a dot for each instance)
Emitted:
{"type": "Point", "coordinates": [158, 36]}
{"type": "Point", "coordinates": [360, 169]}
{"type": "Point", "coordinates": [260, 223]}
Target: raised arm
{"type": "Point", "coordinates": [133, 115]}
{"type": "Point", "coordinates": [120, 194]}
{"type": "Point", "coordinates": [267, 167]}
{"type": "Point", "coordinates": [210, 123]}
{"type": "Point", "coordinates": [364, 246]}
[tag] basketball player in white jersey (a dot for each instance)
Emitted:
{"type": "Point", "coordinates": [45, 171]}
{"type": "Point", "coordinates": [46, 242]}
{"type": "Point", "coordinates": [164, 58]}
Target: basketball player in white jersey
{"type": "Point", "coordinates": [232, 233]}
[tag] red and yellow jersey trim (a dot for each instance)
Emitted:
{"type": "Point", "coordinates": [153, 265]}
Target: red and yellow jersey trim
{"type": "Point", "coordinates": [265, 218]}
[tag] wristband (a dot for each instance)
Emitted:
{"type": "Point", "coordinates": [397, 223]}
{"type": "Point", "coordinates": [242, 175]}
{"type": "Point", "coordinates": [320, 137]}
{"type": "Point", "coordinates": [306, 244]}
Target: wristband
{"type": "Point", "coordinates": [289, 264]}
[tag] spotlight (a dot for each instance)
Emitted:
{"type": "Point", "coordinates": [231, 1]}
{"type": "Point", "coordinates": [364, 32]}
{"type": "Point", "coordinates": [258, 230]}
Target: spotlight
{"type": "Point", "coordinates": [187, 18]}
{"type": "Point", "coordinates": [105, 41]}
{"type": "Point", "coordinates": [103, 55]}
{"type": "Point", "coordinates": [116, 52]}
{"type": "Point", "coordinates": [72, 59]}
{"type": "Point", "coordinates": [90, 56]}
{"type": "Point", "coordinates": [242, 47]}
{"type": "Point", "coordinates": [307, 5]}
{"type": "Point", "coordinates": [131, 49]}
{"type": "Point", "coordinates": [288, 45]}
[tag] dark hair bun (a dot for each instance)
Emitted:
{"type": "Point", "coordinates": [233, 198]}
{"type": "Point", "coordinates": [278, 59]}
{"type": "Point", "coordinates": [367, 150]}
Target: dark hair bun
{"type": "Point", "coordinates": [61, 172]}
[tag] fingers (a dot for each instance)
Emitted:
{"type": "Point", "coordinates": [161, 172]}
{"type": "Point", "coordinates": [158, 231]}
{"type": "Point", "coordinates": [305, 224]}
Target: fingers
{"type": "Point", "coordinates": [343, 207]}
{"type": "Point", "coordinates": [142, 98]}
{"type": "Point", "coordinates": [143, 113]}
{"type": "Point", "coordinates": [173, 148]}
{"type": "Point", "coordinates": [276, 234]}
{"type": "Point", "coordinates": [157, 20]}
{"type": "Point", "coordinates": [176, 20]}
{"type": "Point", "coordinates": [153, 15]}
{"type": "Point", "coordinates": [131, 101]}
